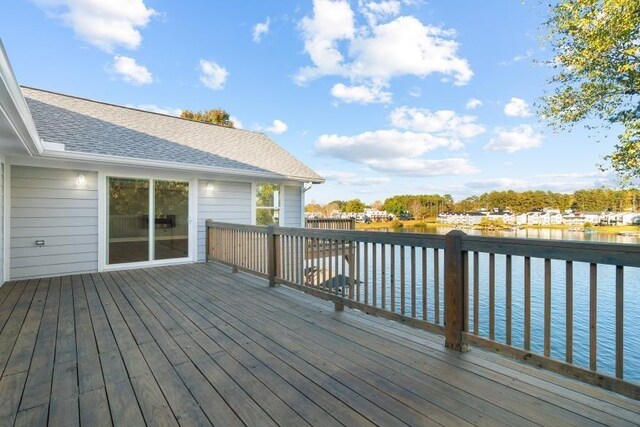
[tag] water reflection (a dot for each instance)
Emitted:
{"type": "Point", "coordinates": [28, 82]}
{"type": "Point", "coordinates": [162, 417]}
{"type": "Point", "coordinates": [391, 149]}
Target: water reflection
{"type": "Point", "coordinates": [530, 233]}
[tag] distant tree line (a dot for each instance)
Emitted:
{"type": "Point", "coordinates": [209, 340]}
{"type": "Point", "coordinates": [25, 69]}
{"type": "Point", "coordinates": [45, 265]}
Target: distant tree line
{"type": "Point", "coordinates": [422, 206]}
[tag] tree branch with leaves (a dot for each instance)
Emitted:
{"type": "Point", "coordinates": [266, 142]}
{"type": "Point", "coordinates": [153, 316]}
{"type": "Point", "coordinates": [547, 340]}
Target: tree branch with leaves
{"type": "Point", "coordinates": [596, 45]}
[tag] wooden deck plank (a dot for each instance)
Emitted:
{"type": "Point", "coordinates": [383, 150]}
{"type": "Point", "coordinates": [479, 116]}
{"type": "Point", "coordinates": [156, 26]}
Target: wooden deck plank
{"type": "Point", "coordinates": [22, 352]}
{"type": "Point", "coordinates": [419, 404]}
{"type": "Point", "coordinates": [566, 417]}
{"type": "Point", "coordinates": [276, 409]}
{"type": "Point", "coordinates": [101, 327]}
{"type": "Point", "coordinates": [14, 323]}
{"type": "Point", "coordinates": [569, 415]}
{"type": "Point", "coordinates": [184, 406]}
{"type": "Point", "coordinates": [365, 405]}
{"type": "Point", "coordinates": [125, 411]}
{"type": "Point", "coordinates": [94, 408]}
{"type": "Point", "coordinates": [5, 290]}
{"type": "Point", "coordinates": [206, 395]}
{"type": "Point", "coordinates": [89, 369]}
{"type": "Point", "coordinates": [10, 392]}
{"type": "Point", "coordinates": [14, 290]}
{"type": "Point", "coordinates": [33, 417]}
{"type": "Point", "coordinates": [37, 390]}
{"type": "Point", "coordinates": [196, 344]}
{"type": "Point", "coordinates": [205, 342]}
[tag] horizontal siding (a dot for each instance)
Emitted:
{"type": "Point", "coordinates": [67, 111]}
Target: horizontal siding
{"type": "Point", "coordinates": [292, 206]}
{"type": "Point", "coordinates": [228, 202]}
{"type": "Point", "coordinates": [47, 204]}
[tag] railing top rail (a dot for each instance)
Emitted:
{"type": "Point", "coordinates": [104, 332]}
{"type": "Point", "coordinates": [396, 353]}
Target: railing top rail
{"type": "Point", "coordinates": [593, 252]}
{"type": "Point", "coordinates": [565, 250]}
{"type": "Point", "coordinates": [233, 226]}
{"type": "Point", "coordinates": [328, 219]}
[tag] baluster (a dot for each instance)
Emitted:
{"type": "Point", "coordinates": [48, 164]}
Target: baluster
{"type": "Point", "coordinates": [476, 292]}
{"type": "Point", "coordinates": [366, 273]}
{"type": "Point", "coordinates": [547, 307]}
{"type": "Point", "coordinates": [508, 297]}
{"type": "Point", "coordinates": [619, 321]}
{"type": "Point", "coordinates": [344, 271]}
{"type": "Point", "coordinates": [374, 279]}
{"type": "Point", "coordinates": [527, 303]}
{"type": "Point", "coordinates": [413, 281]}
{"type": "Point", "coordinates": [352, 268]}
{"type": "Point", "coordinates": [329, 261]}
{"type": "Point", "coordinates": [593, 315]}
{"type": "Point", "coordinates": [569, 311]}
{"type": "Point", "coordinates": [336, 261]}
{"type": "Point", "coordinates": [424, 284]}
{"type": "Point", "coordinates": [358, 271]}
{"type": "Point", "coordinates": [492, 296]}
{"type": "Point", "coordinates": [383, 273]}
{"type": "Point", "coordinates": [393, 278]}
{"type": "Point", "coordinates": [402, 280]}
{"type": "Point", "coordinates": [465, 285]}
{"type": "Point", "coordinates": [436, 285]}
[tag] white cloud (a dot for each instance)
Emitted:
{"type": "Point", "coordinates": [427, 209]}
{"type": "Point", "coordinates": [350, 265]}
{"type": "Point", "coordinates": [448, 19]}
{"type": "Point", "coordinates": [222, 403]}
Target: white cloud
{"type": "Point", "coordinates": [105, 24]}
{"type": "Point", "coordinates": [332, 21]}
{"type": "Point", "coordinates": [131, 71]}
{"type": "Point", "coordinates": [564, 182]}
{"type": "Point", "coordinates": [443, 122]}
{"type": "Point", "coordinates": [379, 145]}
{"type": "Point", "coordinates": [473, 103]}
{"type": "Point", "coordinates": [360, 94]}
{"type": "Point", "coordinates": [373, 54]}
{"type": "Point", "coordinates": [212, 75]}
{"type": "Point", "coordinates": [424, 167]}
{"type": "Point", "coordinates": [260, 29]}
{"type": "Point", "coordinates": [517, 107]}
{"type": "Point", "coordinates": [407, 46]}
{"type": "Point", "coordinates": [156, 109]}
{"type": "Point", "coordinates": [236, 122]}
{"type": "Point", "coordinates": [515, 139]}
{"type": "Point", "coordinates": [277, 127]}
{"type": "Point", "coordinates": [350, 178]}
{"type": "Point", "coordinates": [376, 11]}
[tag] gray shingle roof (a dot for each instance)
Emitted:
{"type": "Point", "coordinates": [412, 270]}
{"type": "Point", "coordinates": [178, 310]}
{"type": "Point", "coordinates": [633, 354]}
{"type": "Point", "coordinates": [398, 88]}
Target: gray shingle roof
{"type": "Point", "coordinates": [88, 126]}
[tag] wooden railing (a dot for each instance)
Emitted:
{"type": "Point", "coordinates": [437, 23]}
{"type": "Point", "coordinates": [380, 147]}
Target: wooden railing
{"type": "Point", "coordinates": [494, 293]}
{"type": "Point", "coordinates": [331, 223]}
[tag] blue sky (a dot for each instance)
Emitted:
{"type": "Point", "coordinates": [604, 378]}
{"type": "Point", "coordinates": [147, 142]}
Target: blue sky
{"type": "Point", "coordinates": [380, 97]}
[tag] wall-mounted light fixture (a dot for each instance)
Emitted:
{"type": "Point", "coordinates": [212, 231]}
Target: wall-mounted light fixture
{"type": "Point", "coordinates": [210, 187]}
{"type": "Point", "coordinates": [80, 178]}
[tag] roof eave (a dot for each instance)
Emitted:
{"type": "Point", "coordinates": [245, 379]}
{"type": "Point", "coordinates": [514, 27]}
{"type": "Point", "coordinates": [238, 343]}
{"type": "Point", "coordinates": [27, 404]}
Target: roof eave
{"type": "Point", "coordinates": [132, 161]}
{"type": "Point", "coordinates": [14, 107]}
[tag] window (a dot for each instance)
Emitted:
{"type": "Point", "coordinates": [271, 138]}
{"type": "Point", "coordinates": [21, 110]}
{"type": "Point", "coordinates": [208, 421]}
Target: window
{"type": "Point", "coordinates": [267, 204]}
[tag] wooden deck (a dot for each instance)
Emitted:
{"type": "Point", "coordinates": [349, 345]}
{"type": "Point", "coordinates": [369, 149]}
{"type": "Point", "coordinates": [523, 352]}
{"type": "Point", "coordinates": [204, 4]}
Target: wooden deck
{"type": "Point", "coordinates": [197, 345]}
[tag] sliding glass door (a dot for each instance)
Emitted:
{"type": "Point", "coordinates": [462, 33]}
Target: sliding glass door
{"type": "Point", "coordinates": [171, 233]}
{"type": "Point", "coordinates": [148, 220]}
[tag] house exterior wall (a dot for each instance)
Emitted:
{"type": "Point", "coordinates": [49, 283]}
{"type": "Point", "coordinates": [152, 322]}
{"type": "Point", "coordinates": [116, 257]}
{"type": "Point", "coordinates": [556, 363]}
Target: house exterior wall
{"type": "Point", "coordinates": [292, 206]}
{"type": "Point", "coordinates": [48, 204]}
{"type": "Point", "coordinates": [227, 202]}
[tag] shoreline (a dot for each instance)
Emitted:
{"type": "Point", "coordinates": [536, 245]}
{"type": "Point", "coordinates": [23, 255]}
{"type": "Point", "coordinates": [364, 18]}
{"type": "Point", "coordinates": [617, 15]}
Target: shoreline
{"type": "Point", "coordinates": [604, 229]}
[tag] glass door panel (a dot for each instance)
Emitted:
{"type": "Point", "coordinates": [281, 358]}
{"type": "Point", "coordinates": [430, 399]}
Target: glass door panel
{"type": "Point", "coordinates": [171, 232]}
{"type": "Point", "coordinates": [128, 234]}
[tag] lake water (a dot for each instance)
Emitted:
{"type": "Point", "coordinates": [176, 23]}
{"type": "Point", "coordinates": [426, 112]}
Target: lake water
{"type": "Point", "coordinates": [605, 298]}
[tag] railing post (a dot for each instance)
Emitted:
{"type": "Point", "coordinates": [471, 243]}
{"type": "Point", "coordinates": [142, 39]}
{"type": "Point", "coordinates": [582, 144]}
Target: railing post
{"type": "Point", "coordinates": [454, 297]}
{"type": "Point", "coordinates": [207, 243]}
{"type": "Point", "coordinates": [352, 225]}
{"type": "Point", "coordinates": [272, 255]}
